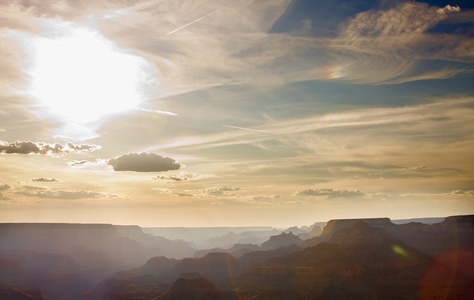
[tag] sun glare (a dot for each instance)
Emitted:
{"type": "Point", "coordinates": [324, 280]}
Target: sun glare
{"type": "Point", "coordinates": [82, 76]}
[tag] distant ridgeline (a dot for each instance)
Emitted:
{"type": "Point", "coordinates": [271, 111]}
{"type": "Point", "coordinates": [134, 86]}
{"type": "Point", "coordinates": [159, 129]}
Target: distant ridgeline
{"type": "Point", "coordinates": [348, 259]}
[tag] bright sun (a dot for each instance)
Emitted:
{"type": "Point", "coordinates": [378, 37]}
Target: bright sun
{"type": "Point", "coordinates": [82, 76]}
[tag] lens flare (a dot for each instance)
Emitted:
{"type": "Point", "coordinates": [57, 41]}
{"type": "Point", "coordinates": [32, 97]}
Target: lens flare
{"type": "Point", "coordinates": [399, 250]}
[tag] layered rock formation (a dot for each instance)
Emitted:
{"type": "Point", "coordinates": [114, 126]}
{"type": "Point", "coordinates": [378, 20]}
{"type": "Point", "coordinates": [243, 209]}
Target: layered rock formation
{"type": "Point", "coordinates": [456, 232]}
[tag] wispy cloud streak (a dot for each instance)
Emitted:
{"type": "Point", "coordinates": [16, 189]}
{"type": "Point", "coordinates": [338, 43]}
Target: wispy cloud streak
{"type": "Point", "coordinates": [162, 112]}
{"type": "Point", "coordinates": [411, 118]}
{"type": "Point", "coordinates": [243, 128]}
{"type": "Point", "coordinates": [190, 23]}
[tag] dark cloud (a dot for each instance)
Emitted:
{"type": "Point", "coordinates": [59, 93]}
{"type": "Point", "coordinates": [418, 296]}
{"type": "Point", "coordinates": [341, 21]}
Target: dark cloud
{"type": "Point", "coordinates": [184, 194]}
{"type": "Point", "coordinates": [4, 187]}
{"type": "Point", "coordinates": [222, 191]}
{"type": "Point", "coordinates": [45, 179]}
{"type": "Point", "coordinates": [331, 193]}
{"type": "Point", "coordinates": [72, 195]}
{"type": "Point", "coordinates": [143, 162]}
{"type": "Point", "coordinates": [27, 147]}
{"type": "Point", "coordinates": [2, 197]}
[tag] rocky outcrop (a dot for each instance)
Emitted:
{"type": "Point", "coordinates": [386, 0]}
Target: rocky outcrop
{"type": "Point", "coordinates": [65, 260]}
{"type": "Point", "coordinates": [295, 230]}
{"type": "Point", "coordinates": [192, 289]}
{"type": "Point", "coordinates": [154, 266]}
{"type": "Point", "coordinates": [127, 287]}
{"type": "Point", "coordinates": [260, 256]}
{"type": "Point", "coordinates": [126, 243]}
{"type": "Point", "coordinates": [130, 282]}
{"type": "Point", "coordinates": [314, 232]}
{"type": "Point", "coordinates": [282, 240]}
{"type": "Point", "coordinates": [184, 288]}
{"type": "Point", "coordinates": [362, 259]}
{"type": "Point", "coordinates": [361, 233]}
{"type": "Point", "coordinates": [453, 234]}
{"type": "Point", "coordinates": [363, 262]}
{"type": "Point", "coordinates": [334, 225]}
{"type": "Point", "coordinates": [350, 263]}
{"type": "Point", "coordinates": [247, 237]}
{"type": "Point", "coordinates": [212, 266]}
{"type": "Point", "coordinates": [20, 294]}
{"type": "Point", "coordinates": [236, 251]}
{"type": "Point", "coordinates": [56, 275]}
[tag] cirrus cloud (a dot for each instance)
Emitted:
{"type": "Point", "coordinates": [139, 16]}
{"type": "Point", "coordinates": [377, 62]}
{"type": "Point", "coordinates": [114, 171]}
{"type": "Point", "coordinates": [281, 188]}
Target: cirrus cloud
{"type": "Point", "coordinates": [331, 193]}
{"type": "Point", "coordinates": [143, 162]}
{"type": "Point", "coordinates": [221, 191]}
{"type": "Point", "coordinates": [46, 193]}
{"type": "Point", "coordinates": [391, 46]}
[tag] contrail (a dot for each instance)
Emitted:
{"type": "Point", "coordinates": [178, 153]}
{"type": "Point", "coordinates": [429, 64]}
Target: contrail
{"type": "Point", "coordinates": [197, 20]}
{"type": "Point", "coordinates": [158, 111]}
{"type": "Point", "coordinates": [248, 129]}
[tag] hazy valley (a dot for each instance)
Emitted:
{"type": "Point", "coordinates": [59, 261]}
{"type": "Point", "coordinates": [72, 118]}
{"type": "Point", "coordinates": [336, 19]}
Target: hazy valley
{"type": "Point", "coordinates": [340, 259]}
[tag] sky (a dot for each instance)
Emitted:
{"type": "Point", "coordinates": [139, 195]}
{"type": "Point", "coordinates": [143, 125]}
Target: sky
{"type": "Point", "coordinates": [235, 112]}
